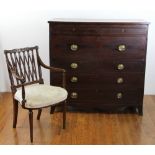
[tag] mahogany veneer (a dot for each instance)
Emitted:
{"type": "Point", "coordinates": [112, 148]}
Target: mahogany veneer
{"type": "Point", "coordinates": [105, 62]}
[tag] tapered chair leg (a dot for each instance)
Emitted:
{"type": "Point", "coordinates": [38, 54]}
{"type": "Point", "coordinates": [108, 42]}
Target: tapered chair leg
{"type": "Point", "coordinates": [15, 113]}
{"type": "Point", "coordinates": [64, 114]}
{"type": "Point", "coordinates": [39, 114]}
{"type": "Point", "coordinates": [52, 109]}
{"type": "Point", "coordinates": [31, 124]}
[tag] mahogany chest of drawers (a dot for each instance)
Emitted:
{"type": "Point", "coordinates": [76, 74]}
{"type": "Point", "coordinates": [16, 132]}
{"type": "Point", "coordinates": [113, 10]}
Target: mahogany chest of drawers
{"type": "Point", "coordinates": [105, 62]}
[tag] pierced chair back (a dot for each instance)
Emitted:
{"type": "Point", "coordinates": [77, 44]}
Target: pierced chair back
{"type": "Point", "coordinates": [24, 63]}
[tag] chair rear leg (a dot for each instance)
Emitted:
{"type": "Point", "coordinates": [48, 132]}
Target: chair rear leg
{"type": "Point", "coordinates": [140, 110]}
{"type": "Point", "coordinates": [52, 109]}
{"type": "Point", "coordinates": [31, 124]}
{"type": "Point", "coordinates": [15, 112]}
{"type": "Point", "coordinates": [64, 114]}
{"type": "Point", "coordinates": [39, 114]}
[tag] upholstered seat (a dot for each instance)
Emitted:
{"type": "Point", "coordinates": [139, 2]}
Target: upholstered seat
{"type": "Point", "coordinates": [40, 95]}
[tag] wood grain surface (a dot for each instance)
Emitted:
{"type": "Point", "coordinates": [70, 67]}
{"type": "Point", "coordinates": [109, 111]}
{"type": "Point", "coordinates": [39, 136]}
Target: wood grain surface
{"type": "Point", "coordinates": [81, 128]}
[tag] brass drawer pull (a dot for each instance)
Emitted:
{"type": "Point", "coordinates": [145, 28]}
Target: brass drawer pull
{"type": "Point", "coordinates": [74, 95]}
{"type": "Point", "coordinates": [120, 80]}
{"type": "Point", "coordinates": [121, 48]}
{"type": "Point", "coordinates": [74, 79]}
{"type": "Point", "coordinates": [74, 47]}
{"type": "Point", "coordinates": [119, 95]}
{"type": "Point", "coordinates": [74, 65]}
{"type": "Point", "coordinates": [120, 66]}
{"type": "Point", "coordinates": [73, 29]}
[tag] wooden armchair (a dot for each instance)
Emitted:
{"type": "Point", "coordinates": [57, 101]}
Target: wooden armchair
{"type": "Point", "coordinates": [27, 85]}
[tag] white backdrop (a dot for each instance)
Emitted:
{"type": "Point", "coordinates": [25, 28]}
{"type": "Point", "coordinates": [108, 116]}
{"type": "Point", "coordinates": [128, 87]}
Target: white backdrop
{"type": "Point", "coordinates": [24, 23]}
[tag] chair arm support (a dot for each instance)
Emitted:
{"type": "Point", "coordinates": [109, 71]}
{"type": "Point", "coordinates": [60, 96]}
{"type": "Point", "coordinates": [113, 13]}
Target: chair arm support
{"type": "Point", "coordinates": [22, 79]}
{"type": "Point", "coordinates": [54, 69]}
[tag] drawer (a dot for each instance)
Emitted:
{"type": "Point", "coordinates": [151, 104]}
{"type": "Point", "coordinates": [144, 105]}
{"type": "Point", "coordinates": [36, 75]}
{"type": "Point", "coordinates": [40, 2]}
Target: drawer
{"type": "Point", "coordinates": [115, 81]}
{"type": "Point", "coordinates": [96, 29]}
{"type": "Point", "coordinates": [93, 67]}
{"type": "Point", "coordinates": [89, 47]}
{"type": "Point", "coordinates": [105, 97]}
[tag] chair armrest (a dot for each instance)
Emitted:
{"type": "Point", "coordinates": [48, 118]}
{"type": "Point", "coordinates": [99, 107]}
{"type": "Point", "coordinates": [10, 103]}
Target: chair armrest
{"type": "Point", "coordinates": [22, 79]}
{"type": "Point", "coordinates": [54, 69]}
{"type": "Point", "coordinates": [14, 73]}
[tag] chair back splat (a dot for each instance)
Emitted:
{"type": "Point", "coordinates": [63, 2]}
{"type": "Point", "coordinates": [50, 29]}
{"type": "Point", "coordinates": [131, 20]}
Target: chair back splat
{"type": "Point", "coordinates": [24, 62]}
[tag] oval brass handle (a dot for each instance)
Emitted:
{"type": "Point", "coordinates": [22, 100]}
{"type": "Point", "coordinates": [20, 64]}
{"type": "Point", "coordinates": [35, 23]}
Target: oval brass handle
{"type": "Point", "coordinates": [121, 48]}
{"type": "Point", "coordinates": [73, 29]}
{"type": "Point", "coordinates": [119, 95]}
{"type": "Point", "coordinates": [74, 79]}
{"type": "Point", "coordinates": [74, 47]}
{"type": "Point", "coordinates": [120, 80]}
{"type": "Point", "coordinates": [120, 66]}
{"type": "Point", "coordinates": [74, 95]}
{"type": "Point", "coordinates": [74, 65]}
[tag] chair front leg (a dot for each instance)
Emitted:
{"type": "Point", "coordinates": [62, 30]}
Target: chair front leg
{"type": "Point", "coordinates": [52, 109]}
{"type": "Point", "coordinates": [39, 114]}
{"type": "Point", "coordinates": [31, 124]}
{"type": "Point", "coordinates": [15, 112]}
{"type": "Point", "coordinates": [64, 114]}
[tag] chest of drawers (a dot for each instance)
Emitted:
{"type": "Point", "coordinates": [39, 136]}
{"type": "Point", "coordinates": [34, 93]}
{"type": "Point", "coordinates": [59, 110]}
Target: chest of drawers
{"type": "Point", "coordinates": [105, 62]}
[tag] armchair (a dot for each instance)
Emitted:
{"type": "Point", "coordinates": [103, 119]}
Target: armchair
{"type": "Point", "coordinates": [27, 85]}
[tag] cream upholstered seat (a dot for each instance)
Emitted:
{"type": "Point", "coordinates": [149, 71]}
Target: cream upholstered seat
{"type": "Point", "coordinates": [40, 95]}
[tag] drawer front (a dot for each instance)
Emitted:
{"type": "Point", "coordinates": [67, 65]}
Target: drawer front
{"type": "Point", "coordinates": [75, 47]}
{"type": "Point", "coordinates": [125, 81]}
{"type": "Point", "coordinates": [96, 29]}
{"type": "Point", "coordinates": [93, 67]}
{"type": "Point", "coordinates": [105, 97]}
